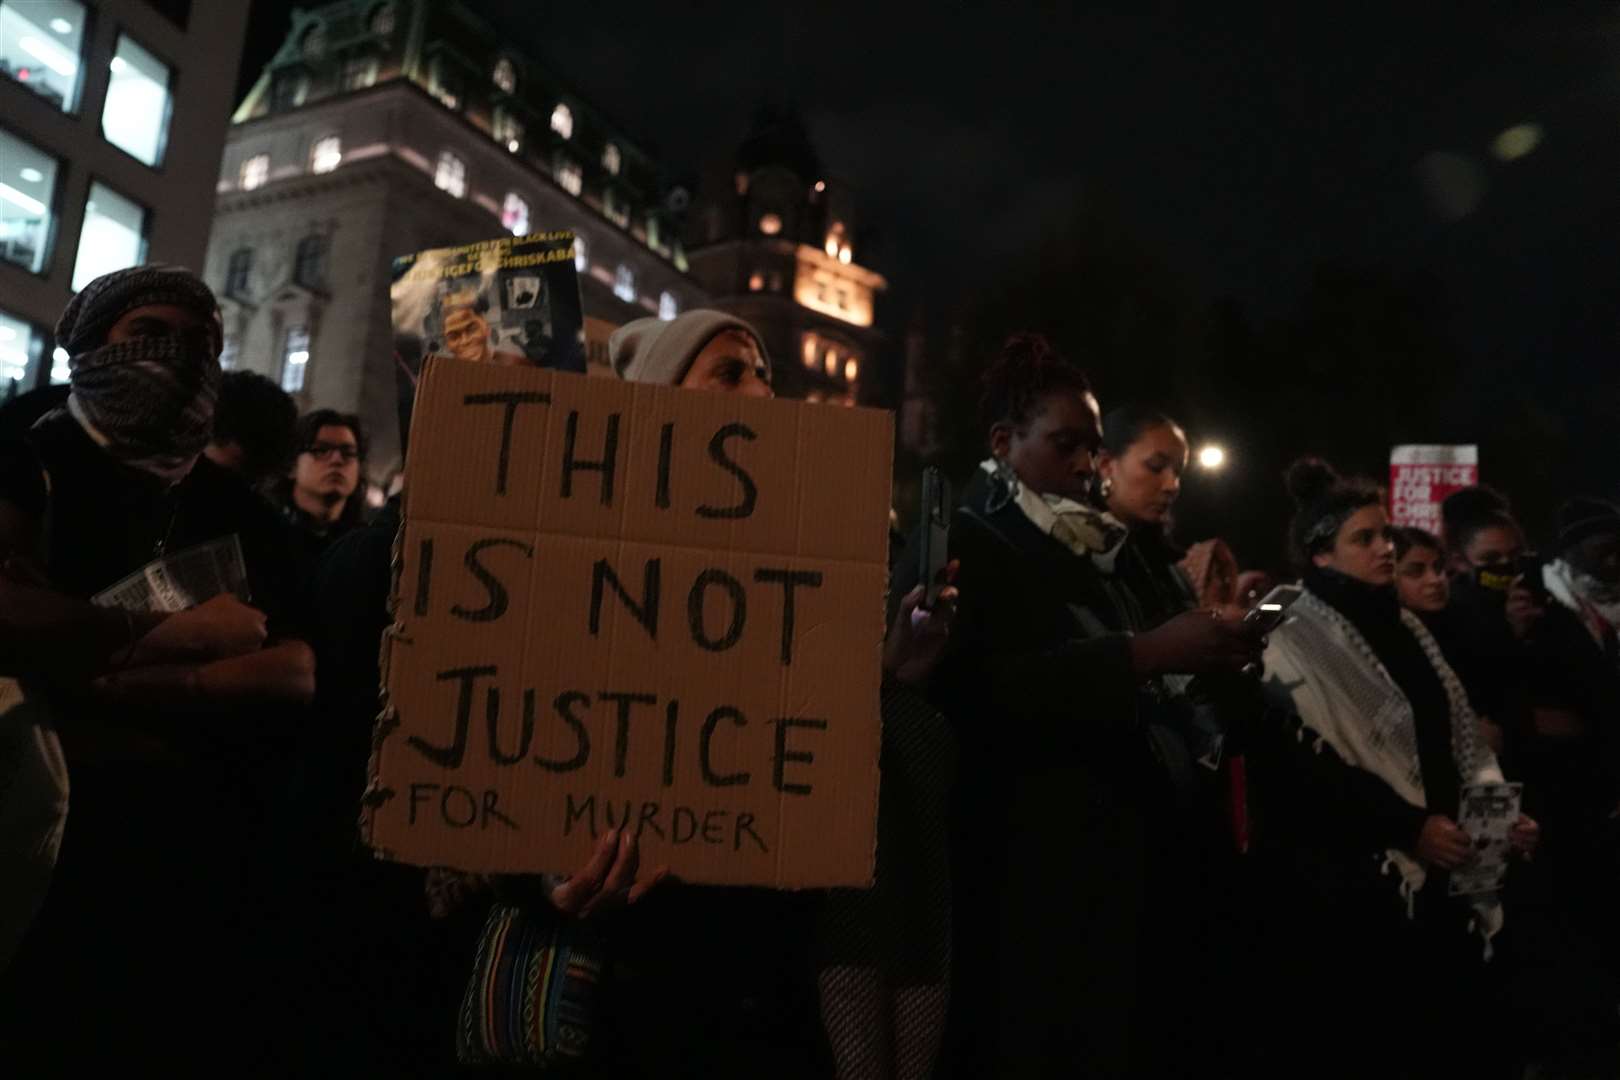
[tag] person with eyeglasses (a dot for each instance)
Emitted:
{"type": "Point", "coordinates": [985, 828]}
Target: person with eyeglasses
{"type": "Point", "coordinates": [322, 496]}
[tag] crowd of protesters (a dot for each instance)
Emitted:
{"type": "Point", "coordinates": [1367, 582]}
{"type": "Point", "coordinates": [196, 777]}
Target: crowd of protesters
{"type": "Point", "coordinates": [1124, 830]}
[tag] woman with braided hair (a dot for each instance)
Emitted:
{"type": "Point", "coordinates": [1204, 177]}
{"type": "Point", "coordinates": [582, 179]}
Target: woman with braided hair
{"type": "Point", "coordinates": [1382, 741]}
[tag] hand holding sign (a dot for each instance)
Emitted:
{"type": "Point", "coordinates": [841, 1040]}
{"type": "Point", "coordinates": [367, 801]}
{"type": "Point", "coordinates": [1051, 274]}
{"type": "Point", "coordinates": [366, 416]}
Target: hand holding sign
{"type": "Point", "coordinates": [609, 877]}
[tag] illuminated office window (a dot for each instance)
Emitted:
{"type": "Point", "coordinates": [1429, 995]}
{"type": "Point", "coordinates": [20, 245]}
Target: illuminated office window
{"type": "Point", "coordinates": [451, 175]}
{"type": "Point", "coordinates": [624, 284]}
{"type": "Point", "coordinates": [562, 121]}
{"type": "Point", "coordinates": [294, 359]}
{"type": "Point", "coordinates": [20, 348]}
{"type": "Point", "coordinates": [326, 154]}
{"type": "Point", "coordinates": [505, 75]}
{"type": "Point", "coordinates": [27, 184]}
{"type": "Point", "coordinates": [255, 171]}
{"type": "Point", "coordinates": [136, 116]}
{"type": "Point", "coordinates": [113, 236]}
{"type": "Point", "coordinates": [515, 214]}
{"type": "Point", "coordinates": [41, 45]}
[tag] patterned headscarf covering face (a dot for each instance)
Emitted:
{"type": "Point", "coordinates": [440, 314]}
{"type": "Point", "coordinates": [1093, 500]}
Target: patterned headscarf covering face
{"type": "Point", "coordinates": [148, 401]}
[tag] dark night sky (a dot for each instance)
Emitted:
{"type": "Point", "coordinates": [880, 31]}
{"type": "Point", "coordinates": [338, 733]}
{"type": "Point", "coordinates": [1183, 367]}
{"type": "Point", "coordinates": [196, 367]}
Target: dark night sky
{"type": "Point", "coordinates": [1237, 149]}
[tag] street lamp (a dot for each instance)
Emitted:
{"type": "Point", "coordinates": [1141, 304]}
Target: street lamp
{"type": "Point", "coordinates": [1211, 458]}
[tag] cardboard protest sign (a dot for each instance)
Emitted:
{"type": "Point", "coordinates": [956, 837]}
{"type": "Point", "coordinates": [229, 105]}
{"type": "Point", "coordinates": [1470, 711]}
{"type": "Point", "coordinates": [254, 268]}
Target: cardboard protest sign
{"type": "Point", "coordinates": [511, 300]}
{"type": "Point", "coordinates": [634, 604]}
{"type": "Point", "coordinates": [1420, 478]}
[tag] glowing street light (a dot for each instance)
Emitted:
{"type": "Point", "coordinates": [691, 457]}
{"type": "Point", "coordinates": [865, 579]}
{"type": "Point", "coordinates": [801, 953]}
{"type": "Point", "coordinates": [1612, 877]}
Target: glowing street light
{"type": "Point", "coordinates": [1212, 458]}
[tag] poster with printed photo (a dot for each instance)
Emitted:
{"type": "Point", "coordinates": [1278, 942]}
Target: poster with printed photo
{"type": "Point", "coordinates": [509, 301]}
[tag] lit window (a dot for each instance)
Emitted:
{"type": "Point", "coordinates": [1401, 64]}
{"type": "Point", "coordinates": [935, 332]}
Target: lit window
{"type": "Point", "coordinates": [851, 369]}
{"type": "Point", "coordinates": [136, 116]}
{"type": "Point", "coordinates": [845, 255]}
{"type": "Point", "coordinates": [309, 262]}
{"type": "Point", "coordinates": [382, 19]}
{"type": "Point", "coordinates": [562, 121]}
{"type": "Point", "coordinates": [508, 130]}
{"type": "Point", "coordinates": [295, 359]}
{"type": "Point", "coordinates": [239, 273]}
{"type": "Point", "coordinates": [611, 159]}
{"type": "Point", "coordinates": [255, 171]}
{"type": "Point", "coordinates": [326, 154]}
{"type": "Point", "coordinates": [444, 82]}
{"type": "Point", "coordinates": [667, 306]}
{"type": "Point", "coordinates": [624, 284]}
{"type": "Point", "coordinates": [570, 177]}
{"type": "Point", "coordinates": [60, 372]}
{"type": "Point", "coordinates": [515, 214]}
{"type": "Point", "coordinates": [831, 362]}
{"type": "Point", "coordinates": [770, 224]}
{"type": "Point", "coordinates": [359, 72]}
{"type": "Point", "coordinates": [809, 350]}
{"type": "Point", "coordinates": [756, 281]}
{"type": "Point", "coordinates": [27, 187]}
{"type": "Point", "coordinates": [229, 353]}
{"type": "Point", "coordinates": [20, 347]}
{"type": "Point", "coordinates": [43, 53]}
{"type": "Point", "coordinates": [313, 45]}
{"type": "Point", "coordinates": [113, 236]}
{"type": "Point", "coordinates": [451, 175]}
{"type": "Point", "coordinates": [505, 75]}
{"type": "Point", "coordinates": [615, 207]}
{"type": "Point", "coordinates": [580, 252]}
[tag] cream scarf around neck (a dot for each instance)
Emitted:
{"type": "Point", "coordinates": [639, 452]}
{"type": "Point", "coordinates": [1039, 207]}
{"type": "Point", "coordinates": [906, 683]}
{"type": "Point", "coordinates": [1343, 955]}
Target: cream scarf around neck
{"type": "Point", "coordinates": [1085, 530]}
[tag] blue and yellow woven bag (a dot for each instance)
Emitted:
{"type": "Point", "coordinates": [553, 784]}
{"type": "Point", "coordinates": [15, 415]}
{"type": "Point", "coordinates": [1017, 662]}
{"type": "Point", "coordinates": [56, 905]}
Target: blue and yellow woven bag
{"type": "Point", "coordinates": [532, 994]}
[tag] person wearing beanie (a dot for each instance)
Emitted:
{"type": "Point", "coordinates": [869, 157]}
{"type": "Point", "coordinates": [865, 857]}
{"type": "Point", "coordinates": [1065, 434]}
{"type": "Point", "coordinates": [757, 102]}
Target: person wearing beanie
{"type": "Point", "coordinates": [168, 671]}
{"type": "Point", "coordinates": [1364, 776]}
{"type": "Point", "coordinates": [699, 350]}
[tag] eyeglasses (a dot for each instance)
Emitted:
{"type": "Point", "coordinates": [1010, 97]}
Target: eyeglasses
{"type": "Point", "coordinates": [321, 450]}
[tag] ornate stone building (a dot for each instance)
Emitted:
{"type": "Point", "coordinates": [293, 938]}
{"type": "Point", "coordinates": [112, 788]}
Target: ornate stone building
{"type": "Point", "coordinates": [774, 239]}
{"type": "Point", "coordinates": [383, 127]}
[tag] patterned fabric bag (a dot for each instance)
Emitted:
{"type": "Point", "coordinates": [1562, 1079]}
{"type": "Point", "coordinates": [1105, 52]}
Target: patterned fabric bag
{"type": "Point", "coordinates": [532, 996]}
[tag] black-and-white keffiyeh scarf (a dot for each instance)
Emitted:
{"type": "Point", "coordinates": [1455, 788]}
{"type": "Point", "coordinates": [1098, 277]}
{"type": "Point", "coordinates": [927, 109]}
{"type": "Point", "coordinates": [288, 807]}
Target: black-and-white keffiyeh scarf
{"type": "Point", "coordinates": [149, 401]}
{"type": "Point", "coordinates": [1085, 530]}
{"type": "Point", "coordinates": [1321, 668]}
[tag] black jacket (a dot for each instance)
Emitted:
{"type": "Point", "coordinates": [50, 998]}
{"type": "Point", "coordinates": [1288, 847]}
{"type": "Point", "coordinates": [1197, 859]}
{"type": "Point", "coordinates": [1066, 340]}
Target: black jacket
{"type": "Point", "coordinates": [1049, 831]}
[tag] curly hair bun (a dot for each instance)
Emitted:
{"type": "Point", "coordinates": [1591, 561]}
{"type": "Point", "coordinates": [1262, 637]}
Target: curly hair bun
{"type": "Point", "coordinates": [1308, 479]}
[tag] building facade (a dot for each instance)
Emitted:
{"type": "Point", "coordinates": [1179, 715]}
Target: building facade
{"type": "Point", "coordinates": [384, 127]}
{"type": "Point", "coordinates": [774, 240]}
{"type": "Point", "coordinates": [112, 119]}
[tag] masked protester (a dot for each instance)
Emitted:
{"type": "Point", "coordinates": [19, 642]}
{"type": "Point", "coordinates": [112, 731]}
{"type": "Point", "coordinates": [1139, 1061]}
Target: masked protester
{"type": "Point", "coordinates": [1574, 754]}
{"type": "Point", "coordinates": [169, 691]}
{"type": "Point", "coordinates": [1380, 740]}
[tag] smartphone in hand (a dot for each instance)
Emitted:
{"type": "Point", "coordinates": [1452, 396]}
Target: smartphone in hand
{"type": "Point", "coordinates": [935, 529]}
{"type": "Point", "coordinates": [1270, 612]}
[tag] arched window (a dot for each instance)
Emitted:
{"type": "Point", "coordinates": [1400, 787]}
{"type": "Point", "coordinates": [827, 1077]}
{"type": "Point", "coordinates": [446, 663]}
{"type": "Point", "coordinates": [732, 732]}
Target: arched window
{"type": "Point", "coordinates": [382, 19]}
{"type": "Point", "coordinates": [508, 129]}
{"type": "Point", "coordinates": [580, 254]}
{"type": "Point", "coordinates": [313, 44]}
{"type": "Point", "coordinates": [326, 154]}
{"type": "Point", "coordinates": [667, 306]}
{"type": "Point", "coordinates": [309, 264]}
{"type": "Point", "coordinates": [562, 121]}
{"type": "Point", "coordinates": [505, 75]}
{"type": "Point", "coordinates": [569, 176]}
{"type": "Point", "coordinates": [238, 272]}
{"type": "Point", "coordinates": [612, 160]}
{"type": "Point", "coordinates": [451, 175]}
{"type": "Point", "coordinates": [515, 214]}
{"type": "Point", "coordinates": [624, 284]}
